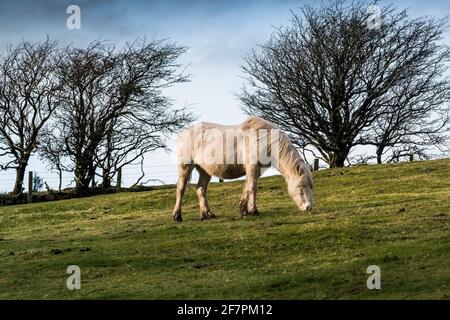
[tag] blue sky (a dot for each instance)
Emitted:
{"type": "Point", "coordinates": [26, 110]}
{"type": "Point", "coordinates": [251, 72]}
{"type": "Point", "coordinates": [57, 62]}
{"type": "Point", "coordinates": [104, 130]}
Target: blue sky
{"type": "Point", "coordinates": [218, 34]}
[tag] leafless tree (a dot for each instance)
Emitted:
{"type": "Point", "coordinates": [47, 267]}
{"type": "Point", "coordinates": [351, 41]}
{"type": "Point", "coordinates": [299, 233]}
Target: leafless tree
{"type": "Point", "coordinates": [29, 94]}
{"type": "Point", "coordinates": [51, 148]}
{"type": "Point", "coordinates": [329, 76]}
{"type": "Point", "coordinates": [415, 121]}
{"type": "Point", "coordinates": [113, 103]}
{"type": "Point", "coordinates": [132, 135]}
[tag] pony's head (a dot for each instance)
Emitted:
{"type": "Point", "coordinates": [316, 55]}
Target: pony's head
{"type": "Point", "coordinates": [300, 186]}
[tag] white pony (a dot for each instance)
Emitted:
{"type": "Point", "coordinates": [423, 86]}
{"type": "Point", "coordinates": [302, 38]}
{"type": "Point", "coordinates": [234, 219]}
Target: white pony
{"type": "Point", "coordinates": [230, 152]}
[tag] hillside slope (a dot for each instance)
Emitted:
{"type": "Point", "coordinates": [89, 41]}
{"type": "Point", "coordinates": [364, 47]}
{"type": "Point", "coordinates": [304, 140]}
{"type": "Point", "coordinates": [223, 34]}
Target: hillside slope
{"type": "Point", "coordinates": [127, 246]}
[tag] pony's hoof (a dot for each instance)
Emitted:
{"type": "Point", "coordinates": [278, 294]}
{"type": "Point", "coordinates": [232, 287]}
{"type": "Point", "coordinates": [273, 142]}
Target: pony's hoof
{"type": "Point", "coordinates": [243, 208]}
{"type": "Point", "coordinates": [177, 218]}
{"type": "Point", "coordinates": [207, 216]}
{"type": "Point", "coordinates": [253, 213]}
{"type": "Point", "coordinates": [211, 215]}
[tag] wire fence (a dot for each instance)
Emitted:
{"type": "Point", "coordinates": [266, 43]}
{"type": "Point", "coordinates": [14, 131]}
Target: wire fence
{"type": "Point", "coordinates": [153, 176]}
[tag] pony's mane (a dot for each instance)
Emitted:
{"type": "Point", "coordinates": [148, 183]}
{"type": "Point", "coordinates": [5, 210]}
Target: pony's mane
{"type": "Point", "coordinates": [290, 159]}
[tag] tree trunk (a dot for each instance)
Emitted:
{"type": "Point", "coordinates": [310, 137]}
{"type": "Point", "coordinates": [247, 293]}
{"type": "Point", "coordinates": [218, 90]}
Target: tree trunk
{"type": "Point", "coordinates": [337, 159]}
{"type": "Point", "coordinates": [20, 174]}
{"type": "Point", "coordinates": [379, 152]}
{"type": "Point", "coordinates": [60, 179]}
{"type": "Point", "coordinates": [82, 187]}
{"type": "Point", "coordinates": [106, 182]}
{"type": "Point", "coordinates": [82, 180]}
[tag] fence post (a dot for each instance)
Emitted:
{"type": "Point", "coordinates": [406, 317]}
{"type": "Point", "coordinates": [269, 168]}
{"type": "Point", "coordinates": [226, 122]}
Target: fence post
{"type": "Point", "coordinates": [119, 179]}
{"type": "Point", "coordinates": [411, 157]}
{"type": "Point", "coordinates": [316, 164]}
{"type": "Point", "coordinates": [30, 186]}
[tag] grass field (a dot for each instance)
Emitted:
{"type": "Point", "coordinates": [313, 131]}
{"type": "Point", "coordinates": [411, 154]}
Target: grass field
{"type": "Point", "coordinates": [127, 246]}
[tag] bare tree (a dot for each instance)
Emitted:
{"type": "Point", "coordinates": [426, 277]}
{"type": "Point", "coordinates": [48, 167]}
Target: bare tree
{"type": "Point", "coordinates": [38, 182]}
{"type": "Point", "coordinates": [51, 148]}
{"type": "Point", "coordinates": [416, 118]}
{"type": "Point", "coordinates": [329, 76]}
{"type": "Point", "coordinates": [28, 97]}
{"type": "Point", "coordinates": [132, 135]}
{"type": "Point", "coordinates": [111, 98]}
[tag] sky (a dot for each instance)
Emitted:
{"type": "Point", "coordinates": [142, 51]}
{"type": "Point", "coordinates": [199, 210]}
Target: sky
{"type": "Point", "coordinates": [218, 34]}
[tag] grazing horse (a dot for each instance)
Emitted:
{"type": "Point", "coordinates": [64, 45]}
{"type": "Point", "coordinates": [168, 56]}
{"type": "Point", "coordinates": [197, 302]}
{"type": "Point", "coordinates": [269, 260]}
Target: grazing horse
{"type": "Point", "coordinates": [230, 152]}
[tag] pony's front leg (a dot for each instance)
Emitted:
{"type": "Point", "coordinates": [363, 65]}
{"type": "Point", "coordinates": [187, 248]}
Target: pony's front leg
{"type": "Point", "coordinates": [247, 204]}
{"type": "Point", "coordinates": [202, 187]}
{"type": "Point", "coordinates": [184, 175]}
{"type": "Point", "coordinates": [251, 205]}
{"type": "Point", "coordinates": [243, 202]}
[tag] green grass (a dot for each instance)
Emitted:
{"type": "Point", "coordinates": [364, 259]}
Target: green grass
{"type": "Point", "coordinates": [393, 216]}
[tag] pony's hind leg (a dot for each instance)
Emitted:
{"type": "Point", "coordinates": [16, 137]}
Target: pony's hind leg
{"type": "Point", "coordinates": [247, 205]}
{"type": "Point", "coordinates": [202, 187]}
{"type": "Point", "coordinates": [184, 176]}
